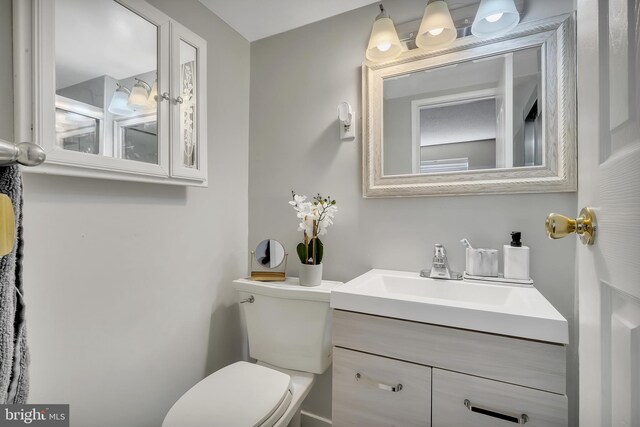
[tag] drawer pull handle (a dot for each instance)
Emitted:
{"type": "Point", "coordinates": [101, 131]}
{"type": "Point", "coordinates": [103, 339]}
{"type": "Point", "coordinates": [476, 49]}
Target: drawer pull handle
{"type": "Point", "coordinates": [381, 386]}
{"type": "Point", "coordinates": [517, 419]}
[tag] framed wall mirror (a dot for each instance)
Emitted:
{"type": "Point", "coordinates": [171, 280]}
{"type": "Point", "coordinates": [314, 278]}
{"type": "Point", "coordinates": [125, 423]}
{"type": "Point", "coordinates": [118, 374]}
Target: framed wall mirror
{"type": "Point", "coordinates": [482, 116]}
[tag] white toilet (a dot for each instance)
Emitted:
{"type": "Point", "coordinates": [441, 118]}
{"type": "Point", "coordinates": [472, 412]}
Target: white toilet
{"type": "Point", "coordinates": [289, 329]}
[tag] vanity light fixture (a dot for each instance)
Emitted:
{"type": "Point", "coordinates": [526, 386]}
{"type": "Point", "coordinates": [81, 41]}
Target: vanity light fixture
{"type": "Point", "coordinates": [437, 29]}
{"type": "Point", "coordinates": [384, 43]}
{"type": "Point", "coordinates": [495, 17]}
{"type": "Point", "coordinates": [139, 95]}
{"type": "Point", "coordinates": [119, 101]}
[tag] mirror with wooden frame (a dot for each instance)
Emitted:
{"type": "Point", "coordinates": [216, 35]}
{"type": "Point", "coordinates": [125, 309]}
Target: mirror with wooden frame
{"type": "Point", "coordinates": [481, 116]}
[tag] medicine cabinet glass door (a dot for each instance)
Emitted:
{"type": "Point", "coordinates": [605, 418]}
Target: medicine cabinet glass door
{"type": "Point", "coordinates": [119, 92]}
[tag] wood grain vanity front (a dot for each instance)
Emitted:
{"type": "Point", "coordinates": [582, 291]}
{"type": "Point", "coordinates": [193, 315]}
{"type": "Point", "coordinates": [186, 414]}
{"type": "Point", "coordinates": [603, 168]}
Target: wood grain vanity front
{"type": "Point", "coordinates": [532, 364]}
{"type": "Point", "coordinates": [376, 391]}
{"type": "Point", "coordinates": [492, 403]}
{"type": "Point", "coordinates": [502, 378]}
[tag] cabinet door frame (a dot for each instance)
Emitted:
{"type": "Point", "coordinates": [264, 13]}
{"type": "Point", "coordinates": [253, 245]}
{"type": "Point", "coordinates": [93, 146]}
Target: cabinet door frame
{"type": "Point", "coordinates": [44, 72]}
{"type": "Point", "coordinates": [178, 169]}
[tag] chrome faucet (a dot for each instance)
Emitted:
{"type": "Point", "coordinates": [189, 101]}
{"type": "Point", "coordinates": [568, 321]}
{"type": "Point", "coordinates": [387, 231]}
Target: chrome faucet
{"type": "Point", "coordinates": [440, 267]}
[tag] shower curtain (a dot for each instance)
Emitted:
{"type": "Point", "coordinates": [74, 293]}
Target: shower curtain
{"type": "Point", "coordinates": [14, 353]}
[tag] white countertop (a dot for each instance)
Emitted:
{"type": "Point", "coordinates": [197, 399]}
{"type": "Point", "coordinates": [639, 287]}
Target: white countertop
{"type": "Point", "coordinates": [494, 308]}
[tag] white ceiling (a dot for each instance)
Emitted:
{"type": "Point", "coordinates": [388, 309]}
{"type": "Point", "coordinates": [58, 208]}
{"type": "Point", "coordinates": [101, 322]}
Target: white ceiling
{"type": "Point", "coordinates": [257, 19]}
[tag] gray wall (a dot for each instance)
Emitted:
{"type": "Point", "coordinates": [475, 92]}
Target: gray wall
{"type": "Point", "coordinates": [128, 286]}
{"type": "Point", "coordinates": [397, 148]}
{"type": "Point", "coordinates": [297, 80]}
{"type": "Point", "coordinates": [89, 92]}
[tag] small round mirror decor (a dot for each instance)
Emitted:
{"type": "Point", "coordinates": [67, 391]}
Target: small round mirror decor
{"type": "Point", "coordinates": [269, 253]}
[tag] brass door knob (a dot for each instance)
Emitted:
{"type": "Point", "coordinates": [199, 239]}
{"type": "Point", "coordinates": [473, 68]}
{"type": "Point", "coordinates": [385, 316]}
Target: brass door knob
{"type": "Point", "coordinates": [559, 226]}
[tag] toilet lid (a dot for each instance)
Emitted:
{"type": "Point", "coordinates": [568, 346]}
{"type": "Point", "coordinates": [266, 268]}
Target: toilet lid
{"type": "Point", "coordinates": [242, 394]}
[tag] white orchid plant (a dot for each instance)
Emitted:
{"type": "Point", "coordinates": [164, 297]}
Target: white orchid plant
{"type": "Point", "coordinates": [315, 217]}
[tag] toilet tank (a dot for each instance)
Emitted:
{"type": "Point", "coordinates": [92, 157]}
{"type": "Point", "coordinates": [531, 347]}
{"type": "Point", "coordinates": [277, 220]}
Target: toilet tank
{"type": "Point", "coordinates": [288, 325]}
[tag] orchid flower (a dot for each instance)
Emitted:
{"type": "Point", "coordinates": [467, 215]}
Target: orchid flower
{"type": "Point", "coordinates": [315, 218]}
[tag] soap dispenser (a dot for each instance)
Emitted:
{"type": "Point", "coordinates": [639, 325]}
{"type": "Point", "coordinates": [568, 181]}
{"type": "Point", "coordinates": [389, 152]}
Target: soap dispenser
{"type": "Point", "coordinates": [516, 259]}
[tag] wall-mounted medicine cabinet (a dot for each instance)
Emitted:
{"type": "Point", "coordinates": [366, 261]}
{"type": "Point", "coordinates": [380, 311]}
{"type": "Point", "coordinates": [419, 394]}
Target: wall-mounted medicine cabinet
{"type": "Point", "coordinates": [118, 90]}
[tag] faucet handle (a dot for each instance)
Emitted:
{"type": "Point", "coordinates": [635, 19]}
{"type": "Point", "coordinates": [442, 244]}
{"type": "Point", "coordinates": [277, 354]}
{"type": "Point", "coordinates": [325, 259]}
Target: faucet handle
{"type": "Point", "coordinates": [440, 267]}
{"type": "Point", "coordinates": [439, 254]}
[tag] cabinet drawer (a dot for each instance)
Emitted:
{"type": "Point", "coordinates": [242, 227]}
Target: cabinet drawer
{"type": "Point", "coordinates": [461, 400]}
{"type": "Point", "coordinates": [519, 361]}
{"type": "Point", "coordinates": [375, 391]}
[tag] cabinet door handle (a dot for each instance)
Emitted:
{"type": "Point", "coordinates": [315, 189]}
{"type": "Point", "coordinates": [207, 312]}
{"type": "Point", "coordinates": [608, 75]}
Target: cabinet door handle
{"type": "Point", "coordinates": [392, 388]}
{"type": "Point", "coordinates": [179, 100]}
{"type": "Point", "coordinates": [517, 419]}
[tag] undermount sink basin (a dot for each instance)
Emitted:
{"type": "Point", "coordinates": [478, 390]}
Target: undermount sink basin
{"type": "Point", "coordinates": [495, 308]}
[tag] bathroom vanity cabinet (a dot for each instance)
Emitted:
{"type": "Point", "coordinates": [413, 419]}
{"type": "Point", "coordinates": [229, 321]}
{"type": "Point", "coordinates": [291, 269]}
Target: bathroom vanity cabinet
{"type": "Point", "coordinates": [395, 372]}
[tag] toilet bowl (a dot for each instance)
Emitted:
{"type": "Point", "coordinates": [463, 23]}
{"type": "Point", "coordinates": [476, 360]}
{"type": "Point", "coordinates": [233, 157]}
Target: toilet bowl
{"type": "Point", "coordinates": [289, 331]}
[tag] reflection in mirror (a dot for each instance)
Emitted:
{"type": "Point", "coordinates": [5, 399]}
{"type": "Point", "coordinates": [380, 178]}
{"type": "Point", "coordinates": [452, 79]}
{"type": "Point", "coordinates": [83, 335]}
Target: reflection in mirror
{"type": "Point", "coordinates": [477, 115]}
{"type": "Point", "coordinates": [106, 80]}
{"type": "Point", "coordinates": [79, 132]}
{"type": "Point", "coordinates": [137, 138]}
{"type": "Point", "coordinates": [269, 253]}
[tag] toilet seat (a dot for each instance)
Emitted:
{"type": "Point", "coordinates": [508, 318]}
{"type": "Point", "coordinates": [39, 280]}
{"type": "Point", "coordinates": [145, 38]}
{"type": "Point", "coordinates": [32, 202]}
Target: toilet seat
{"type": "Point", "coordinates": [239, 395]}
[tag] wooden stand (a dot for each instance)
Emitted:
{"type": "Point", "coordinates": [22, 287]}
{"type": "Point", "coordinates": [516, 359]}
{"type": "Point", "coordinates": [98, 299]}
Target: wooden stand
{"type": "Point", "coordinates": [267, 275]}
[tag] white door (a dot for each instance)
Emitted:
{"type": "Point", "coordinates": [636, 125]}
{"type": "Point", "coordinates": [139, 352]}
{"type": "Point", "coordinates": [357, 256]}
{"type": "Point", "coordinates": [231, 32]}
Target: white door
{"type": "Point", "coordinates": [609, 181]}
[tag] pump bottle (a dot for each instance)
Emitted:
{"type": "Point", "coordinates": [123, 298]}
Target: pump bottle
{"type": "Point", "coordinates": [516, 258]}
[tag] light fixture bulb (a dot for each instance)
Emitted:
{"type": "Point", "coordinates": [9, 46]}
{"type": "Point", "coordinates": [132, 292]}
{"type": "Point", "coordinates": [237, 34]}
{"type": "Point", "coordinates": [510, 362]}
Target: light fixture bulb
{"type": "Point", "coordinates": [119, 101]}
{"type": "Point", "coordinates": [495, 17]}
{"type": "Point", "coordinates": [384, 46]}
{"type": "Point", "coordinates": [437, 29]}
{"type": "Point", "coordinates": [139, 95]}
{"type": "Point", "coordinates": [384, 43]}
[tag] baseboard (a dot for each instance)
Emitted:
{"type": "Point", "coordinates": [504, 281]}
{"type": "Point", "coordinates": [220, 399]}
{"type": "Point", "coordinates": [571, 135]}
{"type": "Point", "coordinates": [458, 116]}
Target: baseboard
{"type": "Point", "coordinates": [312, 420]}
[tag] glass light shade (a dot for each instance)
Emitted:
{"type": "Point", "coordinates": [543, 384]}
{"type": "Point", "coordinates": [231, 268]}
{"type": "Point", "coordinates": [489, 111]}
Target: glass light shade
{"type": "Point", "coordinates": [437, 29]}
{"type": "Point", "coordinates": [138, 98]}
{"type": "Point", "coordinates": [119, 102]}
{"type": "Point", "coordinates": [495, 17]}
{"type": "Point", "coordinates": [152, 100]}
{"type": "Point", "coordinates": [154, 89]}
{"type": "Point", "coordinates": [384, 43]}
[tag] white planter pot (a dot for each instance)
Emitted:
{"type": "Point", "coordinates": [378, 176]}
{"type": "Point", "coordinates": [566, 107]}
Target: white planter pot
{"type": "Point", "coordinates": [310, 274]}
